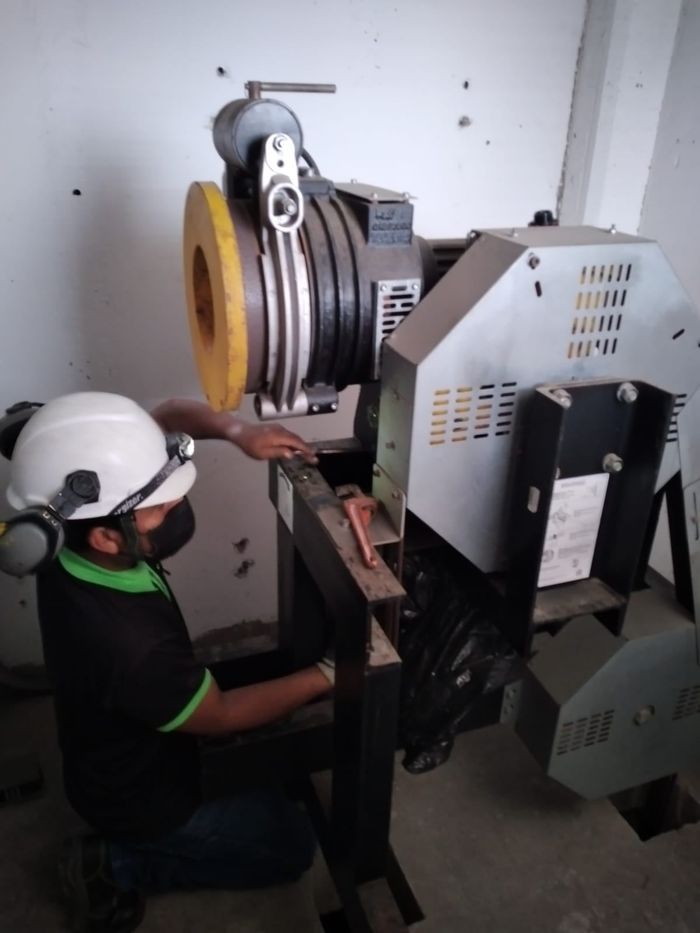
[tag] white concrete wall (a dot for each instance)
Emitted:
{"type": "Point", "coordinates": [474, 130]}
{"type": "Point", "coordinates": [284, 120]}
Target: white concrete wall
{"type": "Point", "coordinates": [623, 68]}
{"type": "Point", "coordinates": [671, 209]}
{"type": "Point", "coordinates": [672, 204]}
{"type": "Point", "coordinates": [116, 99]}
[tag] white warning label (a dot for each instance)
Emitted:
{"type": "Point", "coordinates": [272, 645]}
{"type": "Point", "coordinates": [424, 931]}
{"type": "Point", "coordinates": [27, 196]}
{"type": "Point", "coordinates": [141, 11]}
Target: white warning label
{"type": "Point", "coordinates": [572, 528]}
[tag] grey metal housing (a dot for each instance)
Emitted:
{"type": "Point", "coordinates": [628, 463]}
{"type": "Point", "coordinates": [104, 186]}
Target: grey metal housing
{"type": "Point", "coordinates": [521, 307]}
{"type": "Point", "coordinates": [604, 713]}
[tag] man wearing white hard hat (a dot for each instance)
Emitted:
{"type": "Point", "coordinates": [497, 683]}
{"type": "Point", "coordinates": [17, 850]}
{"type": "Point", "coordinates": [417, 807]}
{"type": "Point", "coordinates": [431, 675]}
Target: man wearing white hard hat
{"type": "Point", "coordinates": [130, 696]}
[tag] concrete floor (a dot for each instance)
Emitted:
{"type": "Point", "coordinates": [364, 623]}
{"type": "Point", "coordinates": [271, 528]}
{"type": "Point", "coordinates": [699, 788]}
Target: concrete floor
{"type": "Point", "coordinates": [487, 842]}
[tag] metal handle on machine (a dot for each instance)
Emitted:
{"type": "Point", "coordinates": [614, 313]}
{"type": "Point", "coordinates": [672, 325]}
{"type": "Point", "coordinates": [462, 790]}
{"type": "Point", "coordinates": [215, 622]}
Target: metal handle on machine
{"type": "Point", "coordinates": [361, 510]}
{"type": "Point", "coordinates": [255, 88]}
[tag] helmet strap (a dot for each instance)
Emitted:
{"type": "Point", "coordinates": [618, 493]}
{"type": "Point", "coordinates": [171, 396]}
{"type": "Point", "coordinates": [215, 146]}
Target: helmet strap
{"type": "Point", "coordinates": [127, 526]}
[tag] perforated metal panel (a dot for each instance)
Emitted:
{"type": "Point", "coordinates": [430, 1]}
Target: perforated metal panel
{"type": "Point", "coordinates": [546, 305]}
{"type": "Point", "coordinates": [584, 732]}
{"type": "Point", "coordinates": [602, 713]}
{"type": "Point", "coordinates": [394, 300]}
{"type": "Point", "coordinates": [472, 413]}
{"type": "Point", "coordinates": [677, 409]}
{"type": "Point", "coordinates": [687, 703]}
{"type": "Point", "coordinates": [600, 305]}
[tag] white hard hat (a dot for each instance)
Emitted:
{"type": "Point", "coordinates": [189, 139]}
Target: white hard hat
{"type": "Point", "coordinates": [108, 434]}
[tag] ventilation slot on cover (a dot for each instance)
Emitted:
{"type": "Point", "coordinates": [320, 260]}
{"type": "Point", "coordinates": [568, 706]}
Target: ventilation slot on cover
{"type": "Point", "coordinates": [394, 301]}
{"type": "Point", "coordinates": [462, 414]}
{"type": "Point", "coordinates": [474, 413]}
{"type": "Point", "coordinates": [687, 702]}
{"type": "Point", "coordinates": [599, 310]}
{"type": "Point", "coordinates": [439, 417]}
{"type": "Point", "coordinates": [395, 304]}
{"type": "Point", "coordinates": [585, 732]}
{"type": "Point", "coordinates": [678, 406]}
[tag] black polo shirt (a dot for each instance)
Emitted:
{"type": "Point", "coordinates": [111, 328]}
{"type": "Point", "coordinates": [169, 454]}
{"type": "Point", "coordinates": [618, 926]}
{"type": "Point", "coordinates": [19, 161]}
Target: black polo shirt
{"type": "Point", "coordinates": [121, 663]}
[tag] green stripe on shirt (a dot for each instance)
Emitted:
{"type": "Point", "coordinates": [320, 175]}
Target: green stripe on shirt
{"type": "Point", "coordinates": [138, 579]}
{"type": "Point", "coordinates": [185, 714]}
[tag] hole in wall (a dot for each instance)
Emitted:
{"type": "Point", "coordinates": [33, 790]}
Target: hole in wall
{"type": "Point", "coordinates": [538, 289]}
{"type": "Point", "coordinates": [243, 569]}
{"type": "Point", "coordinates": [221, 71]}
{"type": "Point", "coordinates": [76, 192]}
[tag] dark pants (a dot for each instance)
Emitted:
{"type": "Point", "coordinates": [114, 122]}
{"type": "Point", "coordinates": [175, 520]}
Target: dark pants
{"type": "Point", "coordinates": [248, 841]}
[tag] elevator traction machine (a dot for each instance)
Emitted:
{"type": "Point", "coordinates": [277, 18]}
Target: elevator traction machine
{"type": "Point", "coordinates": [528, 406]}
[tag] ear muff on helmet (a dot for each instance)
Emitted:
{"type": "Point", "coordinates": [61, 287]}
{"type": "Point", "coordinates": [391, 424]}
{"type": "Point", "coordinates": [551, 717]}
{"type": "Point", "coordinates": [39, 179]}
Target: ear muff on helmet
{"type": "Point", "coordinates": [11, 424]}
{"type": "Point", "coordinates": [31, 539]}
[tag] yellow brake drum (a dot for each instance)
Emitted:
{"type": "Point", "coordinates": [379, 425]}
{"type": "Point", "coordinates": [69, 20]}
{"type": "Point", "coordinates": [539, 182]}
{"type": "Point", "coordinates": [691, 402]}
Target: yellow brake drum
{"type": "Point", "coordinates": [216, 296]}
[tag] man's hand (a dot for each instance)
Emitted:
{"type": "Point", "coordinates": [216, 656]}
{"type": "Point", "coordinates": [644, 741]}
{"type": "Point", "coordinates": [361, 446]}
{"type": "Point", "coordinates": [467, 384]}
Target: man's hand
{"type": "Point", "coordinates": [260, 441]}
{"type": "Point", "coordinates": [270, 442]}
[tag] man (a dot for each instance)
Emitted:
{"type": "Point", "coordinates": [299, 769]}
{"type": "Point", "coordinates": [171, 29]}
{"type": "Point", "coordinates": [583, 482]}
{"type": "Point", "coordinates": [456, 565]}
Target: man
{"type": "Point", "coordinates": [130, 696]}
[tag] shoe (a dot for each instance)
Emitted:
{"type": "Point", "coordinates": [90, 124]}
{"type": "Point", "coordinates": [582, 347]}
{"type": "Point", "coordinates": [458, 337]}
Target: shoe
{"type": "Point", "coordinates": [96, 904]}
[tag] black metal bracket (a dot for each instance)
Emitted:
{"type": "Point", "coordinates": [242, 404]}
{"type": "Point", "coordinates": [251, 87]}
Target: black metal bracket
{"type": "Point", "coordinates": [580, 431]}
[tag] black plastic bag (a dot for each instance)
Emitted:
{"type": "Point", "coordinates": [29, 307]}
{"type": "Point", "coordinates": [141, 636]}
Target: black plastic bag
{"type": "Point", "coordinates": [452, 654]}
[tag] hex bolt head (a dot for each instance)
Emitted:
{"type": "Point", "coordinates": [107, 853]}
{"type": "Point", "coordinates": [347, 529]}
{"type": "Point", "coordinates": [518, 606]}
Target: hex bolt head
{"type": "Point", "coordinates": [627, 393]}
{"type": "Point", "coordinates": [644, 715]}
{"type": "Point", "coordinates": [278, 142]}
{"type": "Point", "coordinates": [315, 408]}
{"type": "Point", "coordinates": [533, 262]}
{"type": "Point", "coordinates": [383, 287]}
{"type": "Point", "coordinates": [334, 406]}
{"type": "Point", "coordinates": [414, 287]}
{"type": "Point", "coordinates": [563, 397]}
{"type": "Point", "coordinates": [612, 463]}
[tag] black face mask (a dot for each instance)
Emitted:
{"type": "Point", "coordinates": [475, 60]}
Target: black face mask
{"type": "Point", "coordinates": [173, 533]}
{"type": "Point", "coordinates": [167, 539]}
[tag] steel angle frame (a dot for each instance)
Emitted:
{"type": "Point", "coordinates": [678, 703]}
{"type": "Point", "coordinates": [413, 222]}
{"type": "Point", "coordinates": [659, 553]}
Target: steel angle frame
{"type": "Point", "coordinates": [328, 596]}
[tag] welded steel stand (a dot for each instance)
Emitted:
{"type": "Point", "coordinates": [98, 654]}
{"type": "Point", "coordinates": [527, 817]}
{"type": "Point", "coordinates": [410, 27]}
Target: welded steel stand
{"type": "Point", "coordinates": [329, 597]}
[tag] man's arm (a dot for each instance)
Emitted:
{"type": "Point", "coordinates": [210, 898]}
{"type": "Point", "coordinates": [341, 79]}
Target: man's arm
{"type": "Point", "coordinates": [259, 441]}
{"type": "Point", "coordinates": [256, 705]}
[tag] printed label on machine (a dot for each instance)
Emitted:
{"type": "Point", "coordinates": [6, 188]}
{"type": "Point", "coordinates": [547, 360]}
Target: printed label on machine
{"type": "Point", "coordinates": [572, 528]}
{"type": "Point", "coordinates": [285, 498]}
